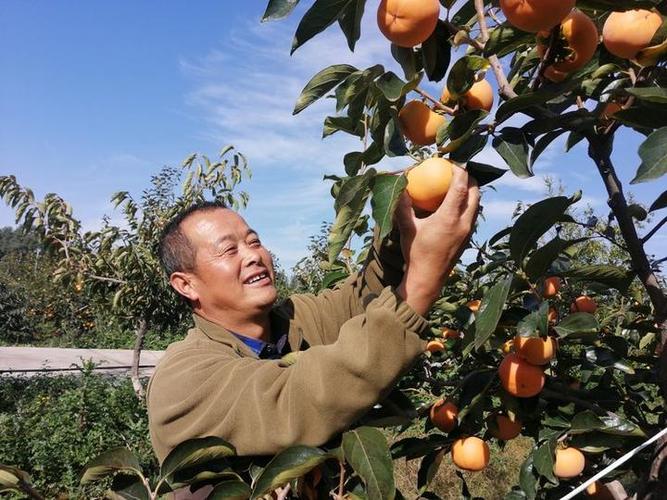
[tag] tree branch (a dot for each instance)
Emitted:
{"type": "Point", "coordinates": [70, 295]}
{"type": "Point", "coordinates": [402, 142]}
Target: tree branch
{"type": "Point", "coordinates": [654, 230]}
{"type": "Point", "coordinates": [436, 102]}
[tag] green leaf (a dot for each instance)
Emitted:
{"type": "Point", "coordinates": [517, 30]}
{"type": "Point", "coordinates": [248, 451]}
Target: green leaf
{"type": "Point", "coordinates": [349, 205]}
{"type": "Point", "coordinates": [512, 146]}
{"type": "Point", "coordinates": [660, 202]}
{"type": "Point", "coordinates": [531, 100]}
{"type": "Point", "coordinates": [483, 173]}
{"type": "Point", "coordinates": [408, 59]}
{"type": "Point", "coordinates": [387, 190]}
{"type": "Point", "coordinates": [543, 460]}
{"type": "Point", "coordinates": [333, 124]}
{"type": "Point", "coordinates": [598, 442]}
{"type": "Point", "coordinates": [367, 452]}
{"type": "Point", "coordinates": [650, 94]}
{"type": "Point", "coordinates": [355, 84]}
{"type": "Point", "coordinates": [643, 117]}
{"type": "Point", "coordinates": [543, 257]}
{"type": "Point", "coordinates": [611, 423]}
{"type": "Point", "coordinates": [536, 323]}
{"type": "Point", "coordinates": [195, 452]}
{"type": "Point", "coordinates": [612, 276]}
{"type": "Point", "coordinates": [322, 83]}
{"type": "Point", "coordinates": [505, 39]}
{"type": "Point", "coordinates": [128, 488]}
{"type": "Point", "coordinates": [230, 489]}
{"type": "Point", "coordinates": [653, 152]}
{"type": "Point", "coordinates": [412, 447]}
{"type": "Point", "coordinates": [436, 53]}
{"type": "Point", "coordinates": [578, 324]}
{"type": "Point", "coordinates": [393, 87]}
{"type": "Point", "coordinates": [350, 21]}
{"type": "Point", "coordinates": [462, 75]}
{"type": "Point", "coordinates": [606, 358]}
{"type": "Point", "coordinates": [462, 127]}
{"type": "Point", "coordinates": [277, 9]}
{"type": "Point", "coordinates": [534, 222]}
{"type": "Point", "coordinates": [110, 462]}
{"type": "Point", "coordinates": [319, 17]}
{"type": "Point", "coordinates": [428, 468]}
{"type": "Point", "coordinates": [289, 464]}
{"type": "Point", "coordinates": [333, 277]}
{"type": "Point", "coordinates": [490, 311]}
{"type": "Point", "coordinates": [394, 142]}
{"type": "Point", "coordinates": [470, 148]}
{"type": "Point", "coordinates": [527, 480]}
{"type": "Point", "coordinates": [542, 144]}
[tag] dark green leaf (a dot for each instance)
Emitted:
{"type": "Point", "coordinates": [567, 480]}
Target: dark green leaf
{"type": "Point", "coordinates": [462, 75]}
{"type": "Point", "coordinates": [650, 94]}
{"type": "Point", "coordinates": [411, 448]}
{"type": "Point", "coordinates": [110, 462]}
{"type": "Point", "coordinates": [530, 100]}
{"type": "Point", "coordinates": [349, 205]}
{"type": "Point", "coordinates": [427, 469]}
{"type": "Point", "coordinates": [543, 460]}
{"type": "Point", "coordinates": [578, 324]}
{"type": "Point", "coordinates": [230, 489]}
{"type": "Point", "coordinates": [393, 87]}
{"type": "Point", "coordinates": [128, 488]}
{"type": "Point", "coordinates": [469, 148]}
{"type": "Point", "coordinates": [277, 9]}
{"type": "Point", "coordinates": [536, 323]}
{"type": "Point", "coordinates": [366, 450]}
{"type": "Point", "coordinates": [350, 21]}
{"type": "Point", "coordinates": [534, 222]}
{"type": "Point", "coordinates": [195, 452]}
{"type": "Point", "coordinates": [504, 39]}
{"type": "Point", "coordinates": [387, 190]}
{"type": "Point", "coordinates": [483, 173]}
{"type": "Point", "coordinates": [319, 17]}
{"type": "Point", "coordinates": [660, 202]}
{"type": "Point", "coordinates": [606, 358]}
{"type": "Point", "coordinates": [333, 124]}
{"type": "Point", "coordinates": [394, 142]}
{"type": "Point", "coordinates": [615, 277]}
{"type": "Point", "coordinates": [527, 479]}
{"type": "Point", "coordinates": [355, 84]}
{"type": "Point", "coordinates": [512, 146]}
{"type": "Point", "coordinates": [598, 442]}
{"type": "Point", "coordinates": [322, 83]}
{"type": "Point", "coordinates": [490, 311]}
{"type": "Point", "coordinates": [333, 277]}
{"type": "Point", "coordinates": [653, 153]}
{"type": "Point", "coordinates": [289, 464]}
{"type": "Point", "coordinates": [409, 60]}
{"type": "Point", "coordinates": [642, 117]}
{"type": "Point", "coordinates": [461, 128]}
{"type": "Point", "coordinates": [474, 391]}
{"type": "Point", "coordinates": [542, 144]}
{"type": "Point", "coordinates": [436, 53]}
{"type": "Point", "coordinates": [573, 139]}
{"type": "Point", "coordinates": [543, 257]}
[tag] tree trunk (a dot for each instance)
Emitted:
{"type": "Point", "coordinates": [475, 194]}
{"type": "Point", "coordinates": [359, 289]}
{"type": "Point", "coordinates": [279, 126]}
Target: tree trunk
{"type": "Point", "coordinates": [140, 332]}
{"type": "Point", "coordinates": [600, 146]}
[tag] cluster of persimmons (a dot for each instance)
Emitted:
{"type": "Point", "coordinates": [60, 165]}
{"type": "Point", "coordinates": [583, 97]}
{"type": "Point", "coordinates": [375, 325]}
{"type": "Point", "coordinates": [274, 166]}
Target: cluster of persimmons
{"type": "Point", "coordinates": [521, 375]}
{"type": "Point", "coordinates": [566, 39]}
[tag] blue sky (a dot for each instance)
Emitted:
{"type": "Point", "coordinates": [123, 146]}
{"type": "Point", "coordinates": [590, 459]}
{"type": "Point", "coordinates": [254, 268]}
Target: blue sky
{"type": "Point", "coordinates": [97, 96]}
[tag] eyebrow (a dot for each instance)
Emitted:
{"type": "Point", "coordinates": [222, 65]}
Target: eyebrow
{"type": "Point", "coordinates": [226, 237]}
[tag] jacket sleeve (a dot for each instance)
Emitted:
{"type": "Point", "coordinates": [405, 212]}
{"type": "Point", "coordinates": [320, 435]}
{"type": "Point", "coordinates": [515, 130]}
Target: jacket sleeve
{"type": "Point", "coordinates": [262, 407]}
{"type": "Point", "coordinates": [330, 309]}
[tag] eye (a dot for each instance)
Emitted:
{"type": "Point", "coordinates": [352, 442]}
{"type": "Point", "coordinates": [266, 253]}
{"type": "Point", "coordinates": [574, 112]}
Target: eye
{"type": "Point", "coordinates": [255, 242]}
{"type": "Point", "coordinates": [230, 250]}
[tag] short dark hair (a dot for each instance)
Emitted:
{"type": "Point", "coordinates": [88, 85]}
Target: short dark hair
{"type": "Point", "coordinates": [175, 250]}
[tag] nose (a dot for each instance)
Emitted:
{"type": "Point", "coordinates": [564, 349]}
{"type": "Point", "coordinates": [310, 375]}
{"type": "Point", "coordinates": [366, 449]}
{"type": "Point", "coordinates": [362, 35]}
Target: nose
{"type": "Point", "coordinates": [252, 255]}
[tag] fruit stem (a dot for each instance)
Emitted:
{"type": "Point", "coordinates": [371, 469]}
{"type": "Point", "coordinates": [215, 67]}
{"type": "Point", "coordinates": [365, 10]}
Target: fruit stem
{"type": "Point", "coordinates": [436, 102]}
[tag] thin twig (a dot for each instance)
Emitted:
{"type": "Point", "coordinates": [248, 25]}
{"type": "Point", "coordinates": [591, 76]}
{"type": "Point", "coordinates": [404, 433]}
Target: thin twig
{"type": "Point", "coordinates": [481, 20]}
{"type": "Point", "coordinates": [110, 280]}
{"type": "Point", "coordinates": [455, 30]}
{"type": "Point", "coordinates": [341, 483]}
{"type": "Point", "coordinates": [438, 104]}
{"type": "Point", "coordinates": [654, 230]}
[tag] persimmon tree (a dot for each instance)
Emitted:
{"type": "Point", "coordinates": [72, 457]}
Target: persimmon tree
{"type": "Point", "coordinates": [597, 389]}
{"type": "Point", "coordinates": [117, 265]}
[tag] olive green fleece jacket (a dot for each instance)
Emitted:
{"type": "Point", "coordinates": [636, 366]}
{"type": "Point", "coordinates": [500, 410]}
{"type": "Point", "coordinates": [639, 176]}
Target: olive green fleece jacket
{"type": "Point", "coordinates": [354, 343]}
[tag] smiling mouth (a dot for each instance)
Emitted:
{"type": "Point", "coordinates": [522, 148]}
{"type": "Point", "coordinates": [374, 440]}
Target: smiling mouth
{"type": "Point", "coordinates": [261, 278]}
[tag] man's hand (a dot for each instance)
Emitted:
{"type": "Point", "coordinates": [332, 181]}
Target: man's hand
{"type": "Point", "coordinates": [431, 246]}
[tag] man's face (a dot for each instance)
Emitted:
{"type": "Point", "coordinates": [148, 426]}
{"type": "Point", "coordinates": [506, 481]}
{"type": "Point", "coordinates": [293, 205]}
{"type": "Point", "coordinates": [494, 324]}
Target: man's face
{"type": "Point", "coordinates": [233, 272]}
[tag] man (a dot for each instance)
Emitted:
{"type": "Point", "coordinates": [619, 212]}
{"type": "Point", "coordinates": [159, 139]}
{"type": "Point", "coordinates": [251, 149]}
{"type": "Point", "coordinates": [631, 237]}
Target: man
{"type": "Point", "coordinates": [352, 344]}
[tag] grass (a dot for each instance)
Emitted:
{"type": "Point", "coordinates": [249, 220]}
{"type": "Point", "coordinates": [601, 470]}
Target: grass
{"type": "Point", "coordinates": [492, 483]}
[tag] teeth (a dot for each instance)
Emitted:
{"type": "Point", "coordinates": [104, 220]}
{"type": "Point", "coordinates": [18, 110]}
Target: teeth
{"type": "Point", "coordinates": [256, 278]}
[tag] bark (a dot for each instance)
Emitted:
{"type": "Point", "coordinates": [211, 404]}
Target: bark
{"type": "Point", "coordinates": [600, 146]}
{"type": "Point", "coordinates": [140, 332]}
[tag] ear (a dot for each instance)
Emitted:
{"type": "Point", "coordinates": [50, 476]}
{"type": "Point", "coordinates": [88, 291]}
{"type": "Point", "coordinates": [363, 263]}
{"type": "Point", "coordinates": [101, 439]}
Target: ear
{"type": "Point", "coordinates": [183, 284]}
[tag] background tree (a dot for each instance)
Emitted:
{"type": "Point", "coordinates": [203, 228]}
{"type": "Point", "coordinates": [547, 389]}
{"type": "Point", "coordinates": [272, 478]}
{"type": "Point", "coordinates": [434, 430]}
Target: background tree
{"type": "Point", "coordinates": [118, 264]}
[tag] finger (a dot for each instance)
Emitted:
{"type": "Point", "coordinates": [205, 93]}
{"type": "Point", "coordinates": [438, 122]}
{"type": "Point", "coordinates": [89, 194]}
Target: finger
{"type": "Point", "coordinates": [404, 214]}
{"type": "Point", "coordinates": [469, 216]}
{"type": "Point", "coordinates": [456, 198]}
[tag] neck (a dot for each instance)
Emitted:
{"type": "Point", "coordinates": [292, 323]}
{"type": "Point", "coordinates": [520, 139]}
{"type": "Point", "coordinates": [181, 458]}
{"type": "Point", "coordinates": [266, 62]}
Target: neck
{"type": "Point", "coordinates": [258, 327]}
